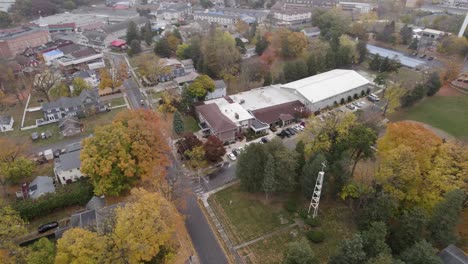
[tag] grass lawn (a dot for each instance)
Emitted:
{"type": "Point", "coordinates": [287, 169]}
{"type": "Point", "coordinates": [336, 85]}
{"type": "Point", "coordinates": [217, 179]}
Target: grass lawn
{"type": "Point", "coordinates": [335, 223]}
{"type": "Point", "coordinates": [447, 113]}
{"type": "Point", "coordinates": [31, 117]}
{"type": "Point", "coordinates": [247, 216]}
{"type": "Point", "coordinates": [115, 101]}
{"type": "Point", "coordinates": [90, 123]}
{"type": "Point", "coordinates": [190, 124]}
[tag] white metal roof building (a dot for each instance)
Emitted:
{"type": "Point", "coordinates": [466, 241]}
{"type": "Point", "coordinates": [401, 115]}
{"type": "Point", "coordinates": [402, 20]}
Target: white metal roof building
{"type": "Point", "coordinates": [234, 111]}
{"type": "Point", "coordinates": [328, 88]}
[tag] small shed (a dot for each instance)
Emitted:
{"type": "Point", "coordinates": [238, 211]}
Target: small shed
{"type": "Point", "coordinates": [6, 123]}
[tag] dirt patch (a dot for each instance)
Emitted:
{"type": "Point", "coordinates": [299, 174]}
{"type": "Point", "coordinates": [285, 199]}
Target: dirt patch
{"type": "Point", "coordinates": [448, 90]}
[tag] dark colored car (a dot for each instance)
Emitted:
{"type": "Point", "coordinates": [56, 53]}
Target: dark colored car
{"type": "Point", "coordinates": [430, 58]}
{"type": "Point", "coordinates": [286, 133]}
{"type": "Point", "coordinates": [46, 227]}
{"type": "Point", "coordinates": [265, 140]}
{"type": "Point", "coordinates": [236, 152]}
{"type": "Point", "coordinates": [280, 134]}
{"type": "Point", "coordinates": [291, 131]}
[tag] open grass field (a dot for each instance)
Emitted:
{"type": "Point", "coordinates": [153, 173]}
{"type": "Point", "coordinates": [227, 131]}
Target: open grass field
{"type": "Point", "coordinates": [446, 113]}
{"type": "Point", "coordinates": [115, 101]}
{"type": "Point", "coordinates": [190, 124]}
{"type": "Point", "coordinates": [247, 216]}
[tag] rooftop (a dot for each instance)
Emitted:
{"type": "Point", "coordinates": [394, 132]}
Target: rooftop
{"type": "Point", "coordinates": [215, 117]}
{"type": "Point", "coordinates": [263, 97]}
{"type": "Point", "coordinates": [453, 255]}
{"type": "Point", "coordinates": [40, 186]}
{"type": "Point", "coordinates": [234, 111]}
{"type": "Point", "coordinates": [391, 54]}
{"type": "Point", "coordinates": [274, 113]}
{"type": "Point", "coordinates": [69, 161]}
{"type": "Point", "coordinates": [325, 85]}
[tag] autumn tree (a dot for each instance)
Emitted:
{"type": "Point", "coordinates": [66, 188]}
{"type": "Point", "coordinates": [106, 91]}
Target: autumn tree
{"type": "Point", "coordinates": [201, 86]}
{"type": "Point", "coordinates": [292, 44]}
{"type": "Point", "coordinates": [167, 103]}
{"type": "Point", "coordinates": [332, 23]}
{"type": "Point", "coordinates": [261, 45]}
{"type": "Point", "coordinates": [196, 157]}
{"type": "Point", "coordinates": [392, 98]}
{"type": "Point", "coordinates": [14, 165]}
{"type": "Point", "coordinates": [12, 83]}
{"type": "Point", "coordinates": [45, 81]}
{"type": "Point", "coordinates": [79, 84]}
{"type": "Point", "coordinates": [220, 55]}
{"type": "Point", "coordinates": [114, 160]}
{"type": "Point", "coordinates": [113, 77]}
{"type": "Point", "coordinates": [82, 246]}
{"type": "Point", "coordinates": [423, 166]}
{"type": "Point", "coordinates": [360, 141]}
{"type": "Point", "coordinates": [41, 252]}
{"type": "Point", "coordinates": [177, 123]}
{"type": "Point", "coordinates": [214, 149]}
{"type": "Point", "coordinates": [188, 142]}
{"type": "Point", "coordinates": [11, 227]}
{"type": "Point", "coordinates": [150, 66]}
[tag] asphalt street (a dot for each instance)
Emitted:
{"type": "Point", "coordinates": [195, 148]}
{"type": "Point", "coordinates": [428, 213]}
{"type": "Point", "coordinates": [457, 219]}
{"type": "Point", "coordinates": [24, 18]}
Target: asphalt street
{"type": "Point", "coordinates": [134, 96]}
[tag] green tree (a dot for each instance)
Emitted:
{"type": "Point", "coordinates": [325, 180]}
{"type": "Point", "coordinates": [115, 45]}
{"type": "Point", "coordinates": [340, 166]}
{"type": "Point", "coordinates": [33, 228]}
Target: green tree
{"type": "Point", "coordinates": [240, 45]}
{"type": "Point", "coordinates": [362, 50]}
{"type": "Point", "coordinates": [269, 181]}
{"type": "Point", "coordinates": [406, 34]}
{"type": "Point", "coordinates": [433, 84]}
{"type": "Point", "coordinates": [261, 45]}
{"type": "Point", "coordinates": [392, 95]}
{"type": "Point", "coordinates": [162, 48]}
{"type": "Point", "coordinates": [147, 33]}
{"type": "Point", "coordinates": [310, 172]}
{"type": "Point", "coordinates": [300, 149]}
{"type": "Point", "coordinates": [201, 86]}
{"type": "Point", "coordinates": [182, 51]}
{"type": "Point", "coordinates": [408, 229]}
{"type": "Point", "coordinates": [5, 19]}
{"type": "Point", "coordinates": [360, 141]}
{"type": "Point", "coordinates": [420, 253]}
{"type": "Point", "coordinates": [312, 65]}
{"type": "Point", "coordinates": [373, 239]}
{"type": "Point", "coordinates": [220, 54]}
{"type": "Point", "coordinates": [251, 167]}
{"type": "Point", "coordinates": [268, 79]}
{"type": "Point", "coordinates": [41, 252]}
{"type": "Point", "coordinates": [350, 251]}
{"type": "Point", "coordinates": [414, 44]}
{"type": "Point", "coordinates": [135, 47]}
{"type": "Point", "coordinates": [12, 226]}
{"type": "Point", "coordinates": [332, 23]}
{"type": "Point", "coordinates": [132, 32]}
{"type": "Point", "coordinates": [445, 217]}
{"type": "Point", "coordinates": [186, 99]}
{"type": "Point", "coordinates": [285, 165]}
{"type": "Point", "coordinates": [178, 123]}
{"type": "Point", "coordinates": [299, 252]}
{"type": "Point", "coordinates": [380, 209]}
{"type": "Point", "coordinates": [79, 84]}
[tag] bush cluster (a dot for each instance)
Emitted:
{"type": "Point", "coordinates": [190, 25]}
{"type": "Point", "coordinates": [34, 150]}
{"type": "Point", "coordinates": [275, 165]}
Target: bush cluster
{"type": "Point", "coordinates": [316, 236]}
{"type": "Point", "coordinates": [78, 193]}
{"type": "Point", "coordinates": [312, 222]}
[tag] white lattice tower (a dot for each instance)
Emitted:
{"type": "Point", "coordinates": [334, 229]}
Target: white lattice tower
{"type": "Point", "coordinates": [314, 202]}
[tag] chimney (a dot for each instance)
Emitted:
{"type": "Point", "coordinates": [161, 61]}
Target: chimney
{"type": "Point", "coordinates": [236, 115]}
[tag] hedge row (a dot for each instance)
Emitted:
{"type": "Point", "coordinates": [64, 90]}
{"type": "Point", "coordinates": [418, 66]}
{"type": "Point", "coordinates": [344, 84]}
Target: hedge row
{"type": "Point", "coordinates": [78, 193]}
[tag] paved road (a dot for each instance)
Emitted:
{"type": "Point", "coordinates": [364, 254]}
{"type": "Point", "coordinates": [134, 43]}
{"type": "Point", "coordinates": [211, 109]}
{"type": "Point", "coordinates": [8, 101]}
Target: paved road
{"type": "Point", "coordinates": [134, 96]}
{"type": "Point", "coordinates": [208, 249]}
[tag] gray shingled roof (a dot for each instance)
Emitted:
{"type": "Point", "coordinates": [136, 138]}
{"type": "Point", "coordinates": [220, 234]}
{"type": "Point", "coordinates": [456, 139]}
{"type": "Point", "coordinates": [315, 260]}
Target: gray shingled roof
{"type": "Point", "coordinates": [64, 102]}
{"type": "Point", "coordinates": [453, 255]}
{"type": "Point", "coordinates": [40, 186]}
{"type": "Point", "coordinates": [215, 117]}
{"type": "Point", "coordinates": [70, 160]}
{"type": "Point", "coordinates": [219, 84]}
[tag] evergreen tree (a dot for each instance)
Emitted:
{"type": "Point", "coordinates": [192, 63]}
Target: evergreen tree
{"type": "Point", "coordinates": [420, 253]}
{"type": "Point", "coordinates": [374, 64]}
{"type": "Point", "coordinates": [362, 50]}
{"type": "Point", "coordinates": [177, 123]}
{"type": "Point", "coordinates": [132, 32]}
{"type": "Point", "coordinates": [374, 240]}
{"type": "Point", "coordinates": [350, 251]}
{"type": "Point", "coordinates": [330, 60]}
{"type": "Point", "coordinates": [414, 44]}
{"type": "Point", "coordinates": [135, 47]}
{"type": "Point", "coordinates": [147, 33]}
{"type": "Point", "coordinates": [300, 149]}
{"type": "Point", "coordinates": [240, 46]}
{"type": "Point", "coordinates": [406, 34]}
{"type": "Point", "coordinates": [445, 218]}
{"type": "Point", "coordinates": [269, 181]}
{"type": "Point", "coordinates": [408, 229]}
{"type": "Point", "coordinates": [433, 84]}
{"type": "Point", "coordinates": [162, 48]}
{"type": "Point", "coordinates": [261, 46]}
{"type": "Point", "coordinates": [312, 65]}
{"type": "Point", "coordinates": [251, 168]}
{"type": "Point", "coordinates": [290, 72]}
{"type": "Point", "coordinates": [299, 252]}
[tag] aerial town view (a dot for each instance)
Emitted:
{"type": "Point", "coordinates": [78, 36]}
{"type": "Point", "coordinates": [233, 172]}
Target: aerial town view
{"type": "Point", "coordinates": [233, 131]}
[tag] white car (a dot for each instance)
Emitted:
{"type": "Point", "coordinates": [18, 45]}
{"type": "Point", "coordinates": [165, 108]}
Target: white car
{"type": "Point", "coordinates": [231, 156]}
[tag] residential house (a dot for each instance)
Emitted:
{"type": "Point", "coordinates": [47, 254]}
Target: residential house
{"type": "Point", "coordinates": [220, 90]}
{"type": "Point", "coordinates": [176, 67]}
{"type": "Point", "coordinates": [355, 7]}
{"type": "Point", "coordinates": [67, 165]}
{"type": "Point", "coordinates": [82, 58]}
{"type": "Point", "coordinates": [176, 12]}
{"type": "Point", "coordinates": [91, 77]}
{"type": "Point", "coordinates": [214, 122]}
{"type": "Point", "coordinates": [40, 186]}
{"type": "Point", "coordinates": [6, 123]}
{"type": "Point", "coordinates": [88, 102]}
{"type": "Point", "coordinates": [70, 126]}
{"type": "Point", "coordinates": [311, 32]}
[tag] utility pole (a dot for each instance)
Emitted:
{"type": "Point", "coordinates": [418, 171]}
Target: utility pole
{"type": "Point", "coordinates": [314, 202]}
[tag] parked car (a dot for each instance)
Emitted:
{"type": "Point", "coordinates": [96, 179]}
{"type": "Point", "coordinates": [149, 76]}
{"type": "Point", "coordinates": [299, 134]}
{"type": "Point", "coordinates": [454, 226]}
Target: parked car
{"type": "Point", "coordinates": [231, 156]}
{"type": "Point", "coordinates": [351, 107]}
{"type": "Point", "coordinates": [286, 133]}
{"type": "Point", "coordinates": [236, 152]}
{"type": "Point", "coordinates": [281, 134]}
{"type": "Point", "coordinates": [430, 58]}
{"type": "Point", "coordinates": [47, 227]}
{"type": "Point", "coordinates": [265, 140]}
{"type": "Point", "coordinates": [356, 104]}
{"type": "Point", "coordinates": [415, 54]}
{"type": "Point", "coordinates": [291, 131]}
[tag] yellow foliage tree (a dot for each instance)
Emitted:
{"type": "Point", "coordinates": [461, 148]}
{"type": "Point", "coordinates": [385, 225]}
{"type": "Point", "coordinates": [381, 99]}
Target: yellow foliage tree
{"type": "Point", "coordinates": [79, 246]}
{"type": "Point", "coordinates": [392, 95]}
{"type": "Point", "coordinates": [113, 77]}
{"type": "Point", "coordinates": [11, 227]}
{"type": "Point", "coordinates": [417, 167]}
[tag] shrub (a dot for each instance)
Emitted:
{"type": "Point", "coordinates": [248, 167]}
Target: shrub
{"type": "Point", "coordinates": [316, 236]}
{"type": "Point", "coordinates": [78, 193]}
{"type": "Point", "coordinates": [291, 205]}
{"type": "Point", "coordinates": [313, 222]}
{"type": "Point", "coordinates": [303, 213]}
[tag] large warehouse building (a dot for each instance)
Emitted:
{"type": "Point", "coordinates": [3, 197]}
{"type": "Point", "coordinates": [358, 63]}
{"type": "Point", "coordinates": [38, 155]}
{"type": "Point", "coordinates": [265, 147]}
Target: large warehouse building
{"type": "Point", "coordinates": [278, 105]}
{"type": "Point", "coordinates": [328, 89]}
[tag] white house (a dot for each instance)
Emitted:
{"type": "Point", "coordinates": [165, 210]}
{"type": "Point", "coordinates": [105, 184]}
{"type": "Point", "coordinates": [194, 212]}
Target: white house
{"type": "Point", "coordinates": [67, 165]}
{"type": "Point", "coordinates": [328, 89]}
{"type": "Point", "coordinates": [293, 16]}
{"type": "Point", "coordinates": [356, 6]}
{"type": "Point", "coordinates": [6, 123]}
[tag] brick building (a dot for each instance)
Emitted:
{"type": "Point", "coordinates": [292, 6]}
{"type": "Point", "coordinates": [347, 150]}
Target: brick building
{"type": "Point", "coordinates": [15, 40]}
